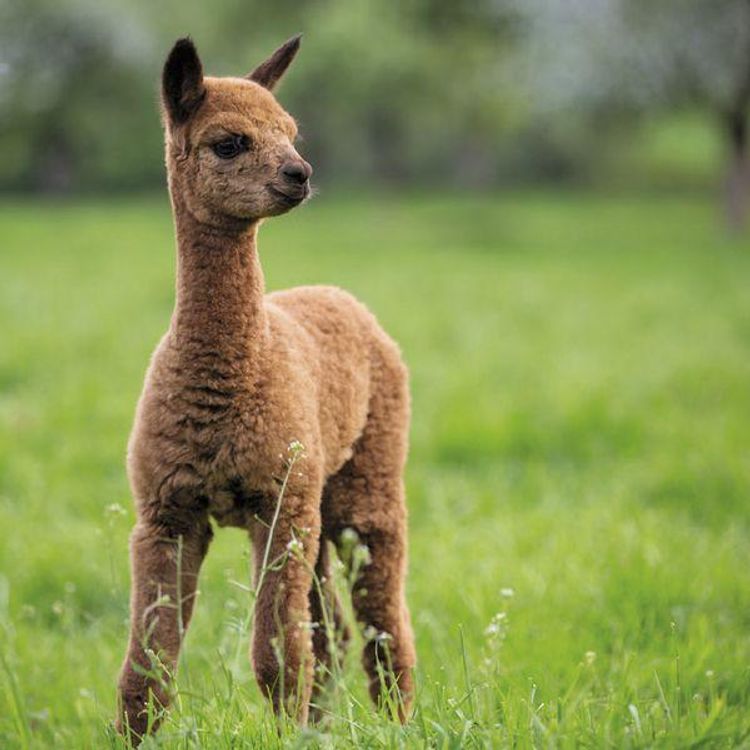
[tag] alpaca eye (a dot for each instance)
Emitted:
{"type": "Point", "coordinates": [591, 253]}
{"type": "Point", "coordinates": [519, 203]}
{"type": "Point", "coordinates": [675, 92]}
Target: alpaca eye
{"type": "Point", "coordinates": [231, 147]}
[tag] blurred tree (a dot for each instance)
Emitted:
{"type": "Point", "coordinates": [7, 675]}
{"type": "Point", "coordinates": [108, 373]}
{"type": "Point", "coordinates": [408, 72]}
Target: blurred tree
{"type": "Point", "coordinates": [609, 60]}
{"type": "Point", "coordinates": [385, 91]}
{"type": "Point", "coordinates": [71, 96]}
{"type": "Point", "coordinates": [430, 91]}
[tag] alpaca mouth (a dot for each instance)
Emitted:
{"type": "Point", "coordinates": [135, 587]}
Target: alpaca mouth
{"type": "Point", "coordinates": [290, 197]}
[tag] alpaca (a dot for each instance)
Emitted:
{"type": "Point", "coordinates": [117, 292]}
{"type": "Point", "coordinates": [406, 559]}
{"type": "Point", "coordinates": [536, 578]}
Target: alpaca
{"type": "Point", "coordinates": [236, 379]}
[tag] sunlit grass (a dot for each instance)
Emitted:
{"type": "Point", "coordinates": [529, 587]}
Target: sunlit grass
{"type": "Point", "coordinates": [579, 479]}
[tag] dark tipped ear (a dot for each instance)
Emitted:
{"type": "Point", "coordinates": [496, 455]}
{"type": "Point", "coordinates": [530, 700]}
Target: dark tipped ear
{"type": "Point", "coordinates": [182, 87]}
{"type": "Point", "coordinates": [268, 73]}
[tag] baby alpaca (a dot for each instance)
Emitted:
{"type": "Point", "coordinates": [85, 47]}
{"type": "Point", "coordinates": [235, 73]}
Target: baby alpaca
{"type": "Point", "coordinates": [236, 379]}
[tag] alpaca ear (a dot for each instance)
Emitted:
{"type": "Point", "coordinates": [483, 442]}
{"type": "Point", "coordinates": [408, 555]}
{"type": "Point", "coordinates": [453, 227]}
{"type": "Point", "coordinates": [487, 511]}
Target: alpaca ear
{"type": "Point", "coordinates": [268, 73]}
{"type": "Point", "coordinates": [182, 88]}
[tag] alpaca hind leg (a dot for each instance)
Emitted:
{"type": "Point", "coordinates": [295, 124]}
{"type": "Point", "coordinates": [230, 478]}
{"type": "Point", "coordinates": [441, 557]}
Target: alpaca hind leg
{"type": "Point", "coordinates": [380, 604]}
{"type": "Point", "coordinates": [331, 634]}
{"type": "Point", "coordinates": [367, 495]}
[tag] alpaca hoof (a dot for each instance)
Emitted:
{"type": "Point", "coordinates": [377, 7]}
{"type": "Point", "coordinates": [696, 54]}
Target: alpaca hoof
{"type": "Point", "coordinates": [394, 694]}
{"type": "Point", "coordinates": [132, 719]}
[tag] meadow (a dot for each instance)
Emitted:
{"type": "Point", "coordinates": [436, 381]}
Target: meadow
{"type": "Point", "coordinates": [579, 477]}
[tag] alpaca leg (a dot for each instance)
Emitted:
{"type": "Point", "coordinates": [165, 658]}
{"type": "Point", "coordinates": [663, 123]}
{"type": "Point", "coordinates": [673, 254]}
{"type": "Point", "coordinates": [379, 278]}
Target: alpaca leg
{"type": "Point", "coordinates": [331, 634]}
{"type": "Point", "coordinates": [165, 569]}
{"type": "Point", "coordinates": [367, 495]}
{"type": "Point", "coordinates": [379, 601]}
{"type": "Point", "coordinates": [282, 643]}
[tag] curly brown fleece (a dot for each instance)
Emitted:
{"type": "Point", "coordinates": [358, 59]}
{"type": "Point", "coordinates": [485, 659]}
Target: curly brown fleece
{"type": "Point", "coordinates": [238, 377]}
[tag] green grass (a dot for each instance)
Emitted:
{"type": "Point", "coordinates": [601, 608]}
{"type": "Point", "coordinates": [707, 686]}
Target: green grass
{"type": "Point", "coordinates": [581, 382]}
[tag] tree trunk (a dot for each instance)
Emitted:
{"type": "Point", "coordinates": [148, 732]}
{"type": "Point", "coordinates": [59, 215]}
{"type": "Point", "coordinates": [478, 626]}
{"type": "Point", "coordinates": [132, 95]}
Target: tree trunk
{"type": "Point", "coordinates": [738, 172]}
{"type": "Point", "coordinates": [736, 129]}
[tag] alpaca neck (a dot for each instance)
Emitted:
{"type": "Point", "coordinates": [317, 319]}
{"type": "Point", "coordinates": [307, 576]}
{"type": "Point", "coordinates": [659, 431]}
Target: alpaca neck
{"type": "Point", "coordinates": [219, 323]}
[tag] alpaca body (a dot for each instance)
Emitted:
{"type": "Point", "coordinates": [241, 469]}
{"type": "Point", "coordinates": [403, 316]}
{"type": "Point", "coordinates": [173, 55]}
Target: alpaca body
{"type": "Point", "coordinates": [240, 376]}
{"type": "Point", "coordinates": [213, 433]}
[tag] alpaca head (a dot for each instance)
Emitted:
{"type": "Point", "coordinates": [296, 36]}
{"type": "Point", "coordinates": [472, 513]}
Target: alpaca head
{"type": "Point", "coordinates": [229, 144]}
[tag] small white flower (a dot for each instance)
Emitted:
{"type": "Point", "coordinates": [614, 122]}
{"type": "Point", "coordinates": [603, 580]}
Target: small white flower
{"type": "Point", "coordinates": [590, 657]}
{"type": "Point", "coordinates": [349, 537]}
{"type": "Point", "coordinates": [295, 448]}
{"type": "Point", "coordinates": [295, 546]}
{"type": "Point", "coordinates": [507, 592]}
{"type": "Point", "coordinates": [497, 625]}
{"type": "Point", "coordinates": [361, 555]}
{"type": "Point", "coordinates": [370, 633]}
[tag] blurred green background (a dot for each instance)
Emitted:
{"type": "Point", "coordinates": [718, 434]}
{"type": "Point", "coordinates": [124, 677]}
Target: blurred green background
{"type": "Point", "coordinates": [544, 204]}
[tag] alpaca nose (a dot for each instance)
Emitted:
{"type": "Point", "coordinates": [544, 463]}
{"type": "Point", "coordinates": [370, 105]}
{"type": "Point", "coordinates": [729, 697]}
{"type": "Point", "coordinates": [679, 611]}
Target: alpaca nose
{"type": "Point", "coordinates": [297, 171]}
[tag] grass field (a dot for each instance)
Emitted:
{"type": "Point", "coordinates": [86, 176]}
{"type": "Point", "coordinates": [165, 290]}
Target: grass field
{"type": "Point", "coordinates": [579, 481]}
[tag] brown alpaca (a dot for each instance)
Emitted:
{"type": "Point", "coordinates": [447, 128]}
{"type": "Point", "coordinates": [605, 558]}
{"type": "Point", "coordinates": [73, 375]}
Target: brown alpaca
{"type": "Point", "coordinates": [238, 377]}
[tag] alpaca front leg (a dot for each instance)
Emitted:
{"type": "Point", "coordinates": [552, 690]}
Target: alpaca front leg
{"type": "Point", "coordinates": [165, 567]}
{"type": "Point", "coordinates": [282, 645]}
